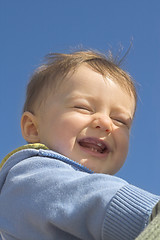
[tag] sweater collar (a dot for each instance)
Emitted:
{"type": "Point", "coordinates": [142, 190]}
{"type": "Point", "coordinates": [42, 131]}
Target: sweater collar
{"type": "Point", "coordinates": [27, 146]}
{"type": "Point", "coordinates": [49, 153]}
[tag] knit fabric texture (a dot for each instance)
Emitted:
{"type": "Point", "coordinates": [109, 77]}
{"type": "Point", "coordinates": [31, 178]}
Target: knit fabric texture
{"type": "Point", "coordinates": [152, 231]}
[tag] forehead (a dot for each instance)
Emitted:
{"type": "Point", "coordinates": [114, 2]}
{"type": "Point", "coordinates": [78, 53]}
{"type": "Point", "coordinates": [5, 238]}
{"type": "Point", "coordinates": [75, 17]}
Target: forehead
{"type": "Point", "coordinates": [85, 75]}
{"type": "Point", "coordinates": [85, 82]}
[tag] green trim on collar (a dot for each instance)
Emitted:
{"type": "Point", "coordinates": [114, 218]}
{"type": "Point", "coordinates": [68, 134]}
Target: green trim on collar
{"type": "Point", "coordinates": [27, 146]}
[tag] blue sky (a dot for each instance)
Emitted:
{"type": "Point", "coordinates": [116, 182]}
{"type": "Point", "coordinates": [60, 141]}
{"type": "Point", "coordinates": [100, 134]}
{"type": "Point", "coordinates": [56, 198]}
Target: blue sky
{"type": "Point", "coordinates": [31, 29]}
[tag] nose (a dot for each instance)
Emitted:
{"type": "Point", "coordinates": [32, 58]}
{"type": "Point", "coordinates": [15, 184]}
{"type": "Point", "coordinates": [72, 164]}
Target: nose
{"type": "Point", "coordinates": [103, 122]}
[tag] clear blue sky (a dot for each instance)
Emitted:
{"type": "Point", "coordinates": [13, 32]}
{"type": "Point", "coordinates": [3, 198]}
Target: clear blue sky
{"type": "Point", "coordinates": [31, 29]}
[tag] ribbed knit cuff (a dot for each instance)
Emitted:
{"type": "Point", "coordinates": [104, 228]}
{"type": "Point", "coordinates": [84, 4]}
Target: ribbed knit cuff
{"type": "Point", "coordinates": [155, 211]}
{"type": "Point", "coordinates": [128, 213]}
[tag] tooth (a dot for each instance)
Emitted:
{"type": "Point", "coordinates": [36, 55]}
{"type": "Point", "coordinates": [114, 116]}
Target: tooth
{"type": "Point", "coordinates": [99, 144]}
{"type": "Point", "coordinates": [93, 150]}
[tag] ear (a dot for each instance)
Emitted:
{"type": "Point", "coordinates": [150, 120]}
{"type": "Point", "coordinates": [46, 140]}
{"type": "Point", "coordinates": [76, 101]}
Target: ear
{"type": "Point", "coordinates": [29, 127]}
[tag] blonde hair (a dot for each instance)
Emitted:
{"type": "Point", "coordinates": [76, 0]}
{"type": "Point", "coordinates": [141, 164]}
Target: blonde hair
{"type": "Point", "coordinates": [59, 65]}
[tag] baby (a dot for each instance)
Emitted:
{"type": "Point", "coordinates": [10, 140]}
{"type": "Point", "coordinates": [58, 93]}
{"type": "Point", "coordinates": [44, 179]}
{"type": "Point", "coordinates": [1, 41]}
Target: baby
{"type": "Point", "coordinates": [81, 106]}
{"type": "Point", "coordinates": [77, 118]}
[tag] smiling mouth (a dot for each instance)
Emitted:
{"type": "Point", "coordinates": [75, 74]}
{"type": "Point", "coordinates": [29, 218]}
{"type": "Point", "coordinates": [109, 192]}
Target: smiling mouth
{"type": "Point", "coordinates": [94, 146]}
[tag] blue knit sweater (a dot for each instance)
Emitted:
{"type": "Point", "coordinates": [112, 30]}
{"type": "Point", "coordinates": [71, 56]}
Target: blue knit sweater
{"type": "Point", "coordinates": [46, 196]}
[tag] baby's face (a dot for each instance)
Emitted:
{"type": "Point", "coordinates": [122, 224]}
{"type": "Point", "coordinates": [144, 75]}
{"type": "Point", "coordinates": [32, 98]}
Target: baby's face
{"type": "Point", "coordinates": [88, 120]}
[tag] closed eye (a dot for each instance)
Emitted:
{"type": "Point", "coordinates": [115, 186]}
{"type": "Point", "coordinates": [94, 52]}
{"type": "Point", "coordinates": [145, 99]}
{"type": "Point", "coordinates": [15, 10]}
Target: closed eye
{"type": "Point", "coordinates": [83, 108]}
{"type": "Point", "coordinates": [121, 122]}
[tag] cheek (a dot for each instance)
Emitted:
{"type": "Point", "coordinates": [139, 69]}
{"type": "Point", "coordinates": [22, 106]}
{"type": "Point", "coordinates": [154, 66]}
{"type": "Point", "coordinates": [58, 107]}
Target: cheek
{"type": "Point", "coordinates": [66, 130]}
{"type": "Point", "coordinates": [123, 141]}
{"type": "Point", "coordinates": [122, 144]}
{"type": "Point", "coordinates": [64, 136]}
{"type": "Point", "coordinates": [73, 123]}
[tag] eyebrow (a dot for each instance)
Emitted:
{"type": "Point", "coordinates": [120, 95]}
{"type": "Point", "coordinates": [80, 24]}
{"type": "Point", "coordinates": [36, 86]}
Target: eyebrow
{"type": "Point", "coordinates": [75, 96]}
